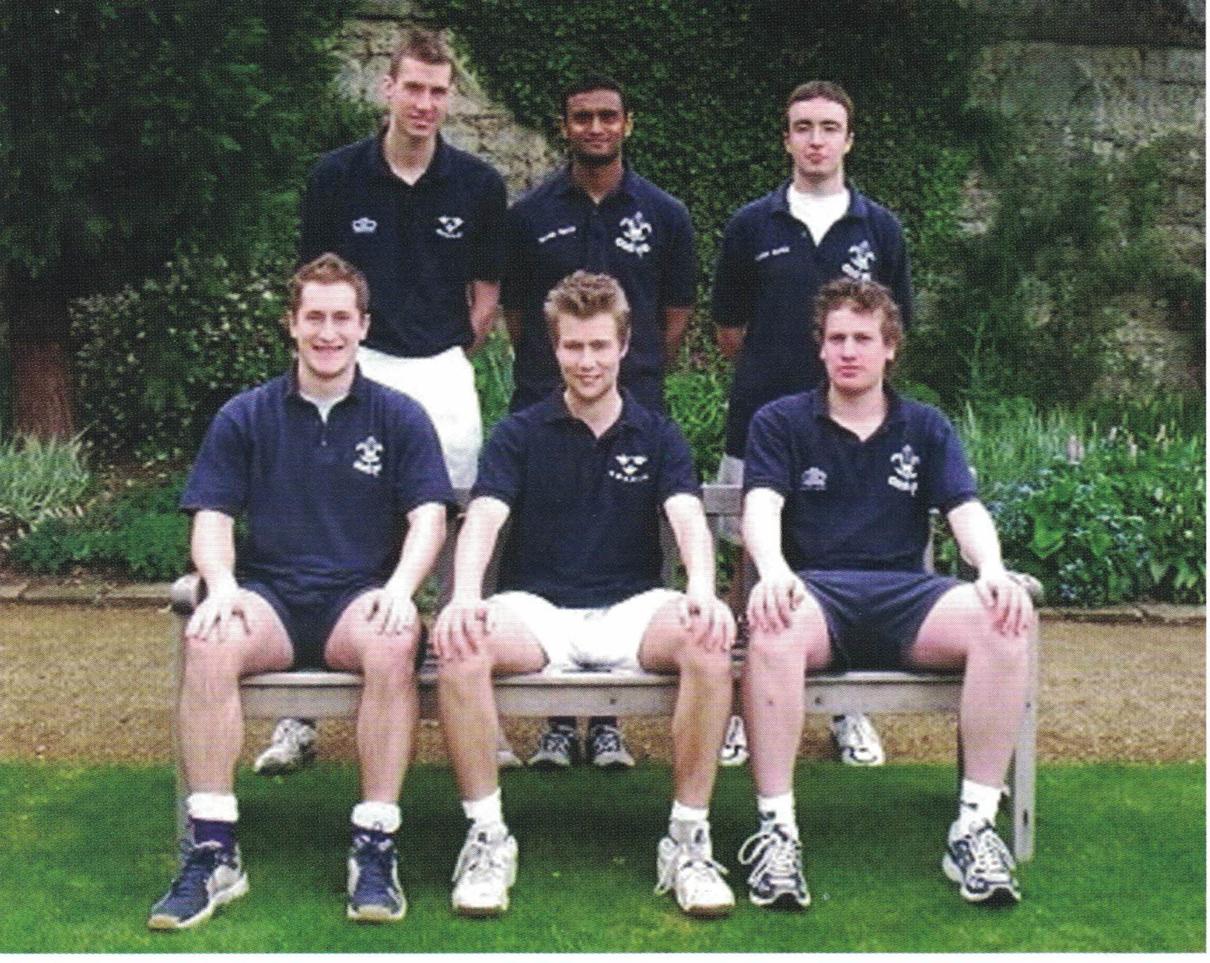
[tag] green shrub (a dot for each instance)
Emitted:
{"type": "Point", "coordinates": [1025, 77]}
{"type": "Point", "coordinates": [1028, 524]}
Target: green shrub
{"type": "Point", "coordinates": [137, 534]}
{"type": "Point", "coordinates": [493, 364]}
{"type": "Point", "coordinates": [154, 363]}
{"type": "Point", "coordinates": [697, 401]}
{"type": "Point", "coordinates": [41, 479]}
{"type": "Point", "coordinates": [1126, 523]}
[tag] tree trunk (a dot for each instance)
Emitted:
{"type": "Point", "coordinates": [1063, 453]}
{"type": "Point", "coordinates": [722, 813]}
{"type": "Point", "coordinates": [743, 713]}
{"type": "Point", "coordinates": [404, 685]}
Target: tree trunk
{"type": "Point", "coordinates": [42, 397]}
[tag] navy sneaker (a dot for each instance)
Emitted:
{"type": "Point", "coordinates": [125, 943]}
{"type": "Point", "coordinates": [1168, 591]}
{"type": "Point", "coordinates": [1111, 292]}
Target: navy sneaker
{"type": "Point", "coordinates": [558, 748]}
{"type": "Point", "coordinates": [375, 895]}
{"type": "Point", "coordinates": [979, 862]}
{"type": "Point", "coordinates": [777, 878]}
{"type": "Point", "coordinates": [607, 749]}
{"type": "Point", "coordinates": [209, 877]}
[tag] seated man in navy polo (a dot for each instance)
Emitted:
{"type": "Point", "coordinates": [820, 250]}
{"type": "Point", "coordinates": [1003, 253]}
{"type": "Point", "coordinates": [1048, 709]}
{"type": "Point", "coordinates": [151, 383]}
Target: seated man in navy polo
{"type": "Point", "coordinates": [326, 467]}
{"type": "Point", "coordinates": [584, 476]}
{"type": "Point", "coordinates": [838, 486]}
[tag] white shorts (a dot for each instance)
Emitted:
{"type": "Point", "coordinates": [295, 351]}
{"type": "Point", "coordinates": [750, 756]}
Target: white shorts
{"type": "Point", "coordinates": [600, 640]}
{"type": "Point", "coordinates": [444, 386]}
{"type": "Point", "coordinates": [730, 472]}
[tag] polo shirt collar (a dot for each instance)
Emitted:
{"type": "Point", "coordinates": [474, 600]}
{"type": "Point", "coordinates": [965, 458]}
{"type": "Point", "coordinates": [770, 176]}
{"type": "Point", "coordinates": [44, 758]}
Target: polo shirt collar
{"type": "Point", "coordinates": [358, 390]}
{"type": "Point", "coordinates": [817, 405]}
{"type": "Point", "coordinates": [858, 205]}
{"type": "Point", "coordinates": [439, 164]}
{"type": "Point", "coordinates": [627, 186]}
{"type": "Point", "coordinates": [554, 409]}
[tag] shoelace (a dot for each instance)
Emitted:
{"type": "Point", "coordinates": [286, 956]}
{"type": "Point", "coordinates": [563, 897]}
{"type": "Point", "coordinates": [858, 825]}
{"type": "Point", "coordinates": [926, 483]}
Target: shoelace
{"type": "Point", "coordinates": [480, 859]}
{"type": "Point", "coordinates": [197, 864]}
{"type": "Point", "coordinates": [373, 867]}
{"type": "Point", "coordinates": [693, 859]}
{"type": "Point", "coordinates": [991, 856]}
{"type": "Point", "coordinates": [556, 740]}
{"type": "Point", "coordinates": [773, 853]}
{"type": "Point", "coordinates": [606, 739]}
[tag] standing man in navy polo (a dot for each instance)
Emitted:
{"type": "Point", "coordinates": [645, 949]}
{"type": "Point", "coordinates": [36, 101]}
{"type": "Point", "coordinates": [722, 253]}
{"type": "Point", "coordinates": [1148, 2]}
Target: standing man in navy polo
{"type": "Point", "coordinates": [777, 252]}
{"type": "Point", "coordinates": [328, 468]}
{"type": "Point", "coordinates": [597, 214]}
{"type": "Point", "coordinates": [839, 481]}
{"type": "Point", "coordinates": [424, 222]}
{"type": "Point", "coordinates": [584, 476]}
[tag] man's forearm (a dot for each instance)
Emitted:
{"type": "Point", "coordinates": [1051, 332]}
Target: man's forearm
{"type": "Point", "coordinates": [762, 530]}
{"type": "Point", "coordinates": [676, 320]}
{"type": "Point", "coordinates": [212, 548]}
{"type": "Point", "coordinates": [476, 544]}
{"type": "Point", "coordinates": [975, 533]}
{"type": "Point", "coordinates": [426, 533]}
{"type": "Point", "coordinates": [484, 301]}
{"type": "Point", "coordinates": [693, 541]}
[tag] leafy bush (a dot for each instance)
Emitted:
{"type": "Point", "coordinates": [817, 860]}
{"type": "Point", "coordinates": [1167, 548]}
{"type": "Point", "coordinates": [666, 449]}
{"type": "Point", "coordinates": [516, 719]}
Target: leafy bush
{"type": "Point", "coordinates": [154, 363]}
{"type": "Point", "coordinates": [1126, 523]}
{"type": "Point", "coordinates": [138, 534]}
{"type": "Point", "coordinates": [697, 401]}
{"type": "Point", "coordinates": [41, 479]}
{"type": "Point", "coordinates": [493, 364]}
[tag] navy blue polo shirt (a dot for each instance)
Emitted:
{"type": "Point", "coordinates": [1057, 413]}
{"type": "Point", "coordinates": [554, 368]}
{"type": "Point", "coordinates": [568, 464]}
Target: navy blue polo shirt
{"type": "Point", "coordinates": [325, 502]}
{"type": "Point", "coordinates": [418, 245]}
{"type": "Point", "coordinates": [768, 273]}
{"type": "Point", "coordinates": [638, 234]}
{"type": "Point", "coordinates": [584, 520]}
{"type": "Point", "coordinates": [853, 504]}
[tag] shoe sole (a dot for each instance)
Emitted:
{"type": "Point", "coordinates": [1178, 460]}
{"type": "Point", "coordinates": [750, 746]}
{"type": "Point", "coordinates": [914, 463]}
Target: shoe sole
{"type": "Point", "coordinates": [165, 923]}
{"type": "Point", "coordinates": [481, 912]}
{"type": "Point", "coordinates": [273, 768]}
{"type": "Point", "coordinates": [1000, 895]}
{"type": "Point", "coordinates": [708, 912]}
{"type": "Point", "coordinates": [549, 765]}
{"type": "Point", "coordinates": [782, 901]}
{"type": "Point", "coordinates": [374, 914]}
{"type": "Point", "coordinates": [733, 760]}
{"type": "Point", "coordinates": [613, 765]}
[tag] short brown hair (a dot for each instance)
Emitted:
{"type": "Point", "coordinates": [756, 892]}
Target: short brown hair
{"type": "Point", "coordinates": [864, 297]}
{"type": "Point", "coordinates": [823, 90]}
{"type": "Point", "coordinates": [583, 295]}
{"type": "Point", "coordinates": [328, 268]}
{"type": "Point", "coordinates": [427, 46]}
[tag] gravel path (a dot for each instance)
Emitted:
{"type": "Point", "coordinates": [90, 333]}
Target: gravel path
{"type": "Point", "coordinates": [85, 683]}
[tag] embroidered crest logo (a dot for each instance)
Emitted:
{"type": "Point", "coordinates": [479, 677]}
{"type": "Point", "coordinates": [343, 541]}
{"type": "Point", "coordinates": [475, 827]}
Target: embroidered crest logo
{"type": "Point", "coordinates": [814, 480]}
{"type": "Point", "coordinates": [369, 458]}
{"type": "Point", "coordinates": [364, 225]}
{"type": "Point", "coordinates": [635, 232]}
{"type": "Point", "coordinates": [449, 227]}
{"type": "Point", "coordinates": [630, 468]}
{"type": "Point", "coordinates": [904, 462]}
{"type": "Point", "coordinates": [861, 262]}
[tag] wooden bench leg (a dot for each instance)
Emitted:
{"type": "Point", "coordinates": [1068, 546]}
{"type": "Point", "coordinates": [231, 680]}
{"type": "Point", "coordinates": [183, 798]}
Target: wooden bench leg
{"type": "Point", "coordinates": [1024, 779]}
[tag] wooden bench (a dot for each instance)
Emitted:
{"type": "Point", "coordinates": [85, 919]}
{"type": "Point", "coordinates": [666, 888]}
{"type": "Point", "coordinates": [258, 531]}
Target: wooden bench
{"type": "Point", "coordinates": [316, 694]}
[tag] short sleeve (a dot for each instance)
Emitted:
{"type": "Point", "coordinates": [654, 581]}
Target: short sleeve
{"type": "Point", "coordinates": [677, 474]}
{"type": "Point", "coordinates": [219, 478]}
{"type": "Point", "coordinates": [948, 475]}
{"type": "Point", "coordinates": [733, 293]}
{"type": "Point", "coordinates": [420, 473]}
{"type": "Point", "coordinates": [501, 464]}
{"type": "Point", "coordinates": [487, 251]}
{"type": "Point", "coordinates": [767, 453]}
{"type": "Point", "coordinates": [681, 269]}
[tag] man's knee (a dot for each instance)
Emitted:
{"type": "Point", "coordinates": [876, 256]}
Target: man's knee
{"type": "Point", "coordinates": [712, 665]}
{"type": "Point", "coordinates": [804, 639]}
{"type": "Point", "coordinates": [390, 656]}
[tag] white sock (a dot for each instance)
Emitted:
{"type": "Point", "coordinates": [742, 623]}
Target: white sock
{"type": "Point", "coordinates": [487, 811]}
{"type": "Point", "coordinates": [688, 814]}
{"type": "Point", "coordinates": [219, 807]}
{"type": "Point", "coordinates": [778, 810]}
{"type": "Point", "coordinates": [383, 817]}
{"type": "Point", "coordinates": [977, 802]}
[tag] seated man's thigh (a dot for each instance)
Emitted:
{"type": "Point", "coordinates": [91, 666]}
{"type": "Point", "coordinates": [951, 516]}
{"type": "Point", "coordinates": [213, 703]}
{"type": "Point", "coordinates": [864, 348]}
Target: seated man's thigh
{"type": "Point", "coordinates": [875, 617]}
{"type": "Point", "coordinates": [349, 633]}
{"type": "Point", "coordinates": [261, 637]}
{"type": "Point", "coordinates": [527, 633]}
{"type": "Point", "coordinates": [946, 635]}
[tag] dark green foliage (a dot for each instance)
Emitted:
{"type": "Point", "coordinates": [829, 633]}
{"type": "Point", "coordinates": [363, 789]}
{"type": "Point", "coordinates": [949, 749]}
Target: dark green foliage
{"type": "Point", "coordinates": [708, 82]}
{"type": "Point", "coordinates": [697, 400]}
{"type": "Point", "coordinates": [139, 534]}
{"type": "Point", "coordinates": [1027, 308]}
{"type": "Point", "coordinates": [132, 131]}
{"type": "Point", "coordinates": [155, 363]}
{"type": "Point", "coordinates": [493, 364]}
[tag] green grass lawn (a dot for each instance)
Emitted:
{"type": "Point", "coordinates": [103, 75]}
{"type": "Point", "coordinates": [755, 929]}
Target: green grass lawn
{"type": "Point", "coordinates": [85, 850]}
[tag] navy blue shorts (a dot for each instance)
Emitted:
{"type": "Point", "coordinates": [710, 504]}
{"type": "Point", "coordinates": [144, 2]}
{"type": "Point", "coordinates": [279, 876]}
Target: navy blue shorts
{"type": "Point", "coordinates": [874, 617]}
{"type": "Point", "coordinates": [308, 623]}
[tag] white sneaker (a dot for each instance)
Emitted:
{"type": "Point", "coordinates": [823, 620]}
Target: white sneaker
{"type": "Point", "coordinates": [777, 877]}
{"type": "Point", "coordinates": [734, 751]}
{"type": "Point", "coordinates": [857, 741]}
{"type": "Point", "coordinates": [486, 868]}
{"type": "Point", "coordinates": [291, 748]}
{"type": "Point", "coordinates": [688, 868]}
{"type": "Point", "coordinates": [506, 758]}
{"type": "Point", "coordinates": [979, 862]}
